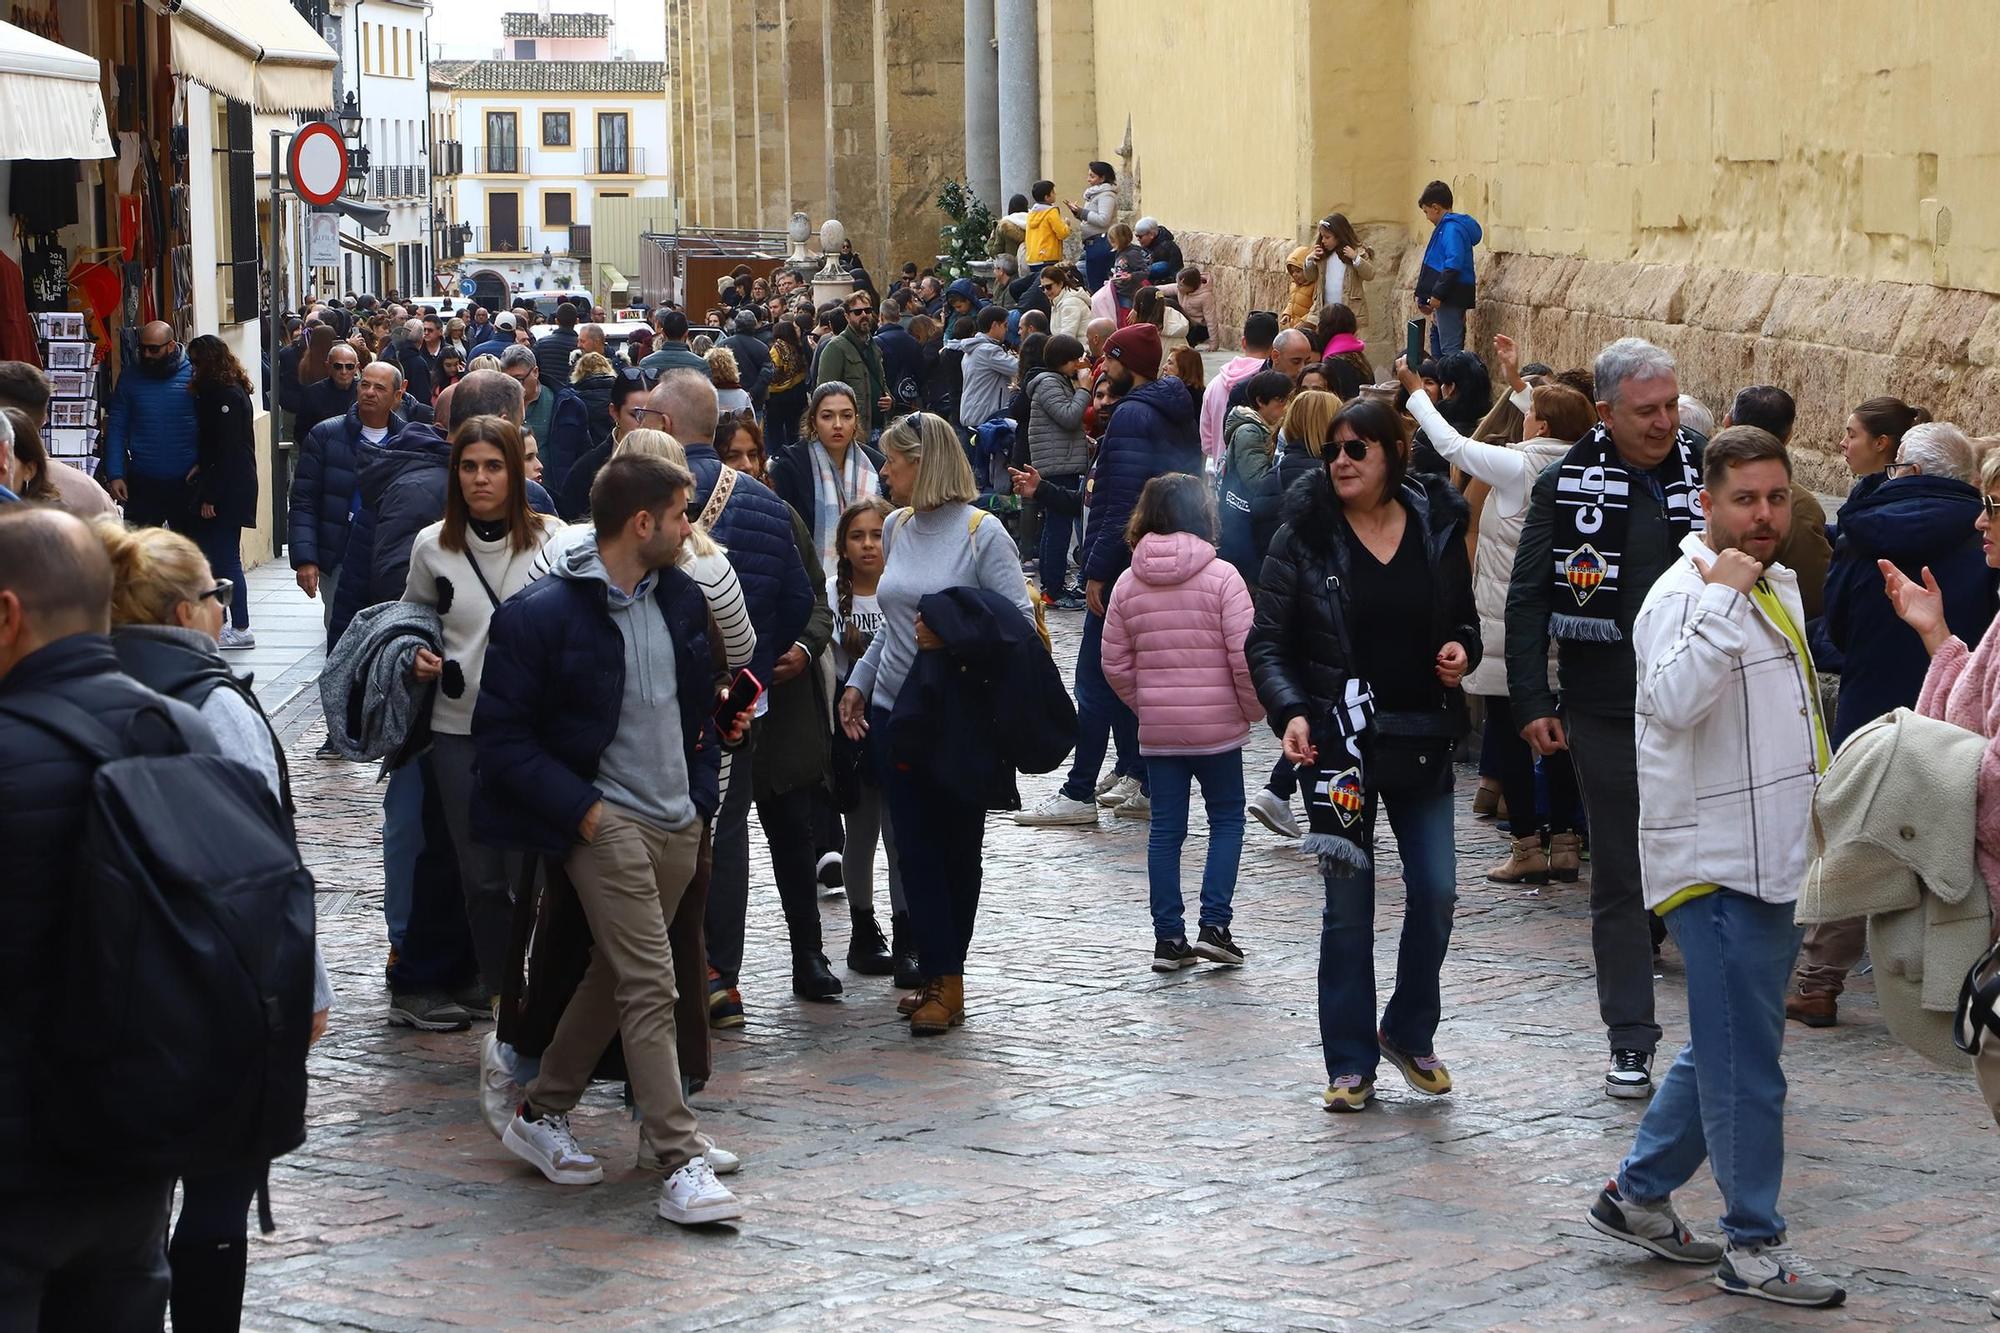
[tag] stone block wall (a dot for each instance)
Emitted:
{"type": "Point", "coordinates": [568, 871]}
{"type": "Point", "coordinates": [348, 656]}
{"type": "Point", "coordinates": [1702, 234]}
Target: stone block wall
{"type": "Point", "coordinates": [1248, 273]}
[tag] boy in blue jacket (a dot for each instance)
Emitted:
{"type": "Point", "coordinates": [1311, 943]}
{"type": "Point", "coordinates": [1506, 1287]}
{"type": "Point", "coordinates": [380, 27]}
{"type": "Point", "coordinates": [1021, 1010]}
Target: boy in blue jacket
{"type": "Point", "coordinates": [1447, 284]}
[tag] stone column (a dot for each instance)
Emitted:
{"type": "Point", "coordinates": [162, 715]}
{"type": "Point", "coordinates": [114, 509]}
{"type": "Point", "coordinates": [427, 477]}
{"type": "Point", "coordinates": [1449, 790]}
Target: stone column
{"type": "Point", "coordinates": [719, 57]}
{"type": "Point", "coordinates": [743, 90]}
{"type": "Point", "coordinates": [982, 104]}
{"type": "Point", "coordinates": [773, 196]}
{"type": "Point", "coordinates": [806, 136]}
{"type": "Point", "coordinates": [919, 108]}
{"type": "Point", "coordinates": [854, 165]}
{"type": "Point", "coordinates": [1019, 100]}
{"type": "Point", "coordinates": [701, 211]}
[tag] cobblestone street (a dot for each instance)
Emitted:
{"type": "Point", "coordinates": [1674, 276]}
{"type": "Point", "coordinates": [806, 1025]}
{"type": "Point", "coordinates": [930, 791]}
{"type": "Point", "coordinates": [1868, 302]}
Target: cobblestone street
{"type": "Point", "coordinates": [1098, 1146]}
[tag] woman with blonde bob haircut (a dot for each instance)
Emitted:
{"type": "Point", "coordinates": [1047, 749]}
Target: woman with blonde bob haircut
{"type": "Point", "coordinates": [938, 541]}
{"type": "Point", "coordinates": [167, 608]}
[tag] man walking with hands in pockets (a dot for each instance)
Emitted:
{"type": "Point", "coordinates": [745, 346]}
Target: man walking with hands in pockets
{"type": "Point", "coordinates": [1731, 744]}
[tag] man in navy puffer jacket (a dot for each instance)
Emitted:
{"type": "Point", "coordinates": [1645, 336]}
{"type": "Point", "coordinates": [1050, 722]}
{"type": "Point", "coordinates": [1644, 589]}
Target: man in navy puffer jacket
{"type": "Point", "coordinates": [1152, 432]}
{"type": "Point", "coordinates": [323, 486]}
{"type": "Point", "coordinates": [151, 447]}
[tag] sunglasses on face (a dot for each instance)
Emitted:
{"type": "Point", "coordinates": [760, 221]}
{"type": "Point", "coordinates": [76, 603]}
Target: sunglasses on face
{"type": "Point", "coordinates": [220, 592]}
{"type": "Point", "coordinates": [1354, 449]}
{"type": "Point", "coordinates": [153, 349]}
{"type": "Point", "coordinates": [1991, 504]}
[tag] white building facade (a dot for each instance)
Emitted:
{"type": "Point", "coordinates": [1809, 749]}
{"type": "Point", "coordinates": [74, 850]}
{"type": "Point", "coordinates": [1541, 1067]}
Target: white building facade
{"type": "Point", "coordinates": [540, 142]}
{"type": "Point", "coordinates": [384, 48]}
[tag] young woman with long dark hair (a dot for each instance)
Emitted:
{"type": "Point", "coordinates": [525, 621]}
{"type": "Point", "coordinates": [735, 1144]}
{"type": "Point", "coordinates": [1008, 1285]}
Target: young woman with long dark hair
{"type": "Point", "coordinates": [226, 475]}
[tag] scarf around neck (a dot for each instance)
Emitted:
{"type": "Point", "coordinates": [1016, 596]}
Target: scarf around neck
{"type": "Point", "coordinates": [1593, 499]}
{"type": "Point", "coordinates": [834, 492]}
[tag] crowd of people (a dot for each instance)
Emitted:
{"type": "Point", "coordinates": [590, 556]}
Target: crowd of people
{"type": "Point", "coordinates": [590, 606]}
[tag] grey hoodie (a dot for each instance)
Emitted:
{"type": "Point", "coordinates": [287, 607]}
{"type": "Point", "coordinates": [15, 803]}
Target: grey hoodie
{"type": "Point", "coordinates": [644, 770]}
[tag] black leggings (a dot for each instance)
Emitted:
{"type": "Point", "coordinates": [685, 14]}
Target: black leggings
{"type": "Point", "coordinates": [1517, 774]}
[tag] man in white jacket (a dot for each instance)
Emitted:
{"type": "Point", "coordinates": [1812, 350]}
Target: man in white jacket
{"type": "Point", "coordinates": [1731, 743]}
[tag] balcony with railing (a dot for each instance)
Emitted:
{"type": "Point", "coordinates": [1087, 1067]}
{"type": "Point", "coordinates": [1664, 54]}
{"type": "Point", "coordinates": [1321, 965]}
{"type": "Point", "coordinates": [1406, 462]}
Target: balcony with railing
{"type": "Point", "coordinates": [609, 161]}
{"type": "Point", "coordinates": [515, 240]}
{"type": "Point", "coordinates": [499, 161]}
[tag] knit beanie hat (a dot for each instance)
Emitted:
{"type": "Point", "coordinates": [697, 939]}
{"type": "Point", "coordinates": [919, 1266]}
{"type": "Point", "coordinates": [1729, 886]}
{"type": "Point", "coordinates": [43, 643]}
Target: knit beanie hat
{"type": "Point", "coordinates": [1137, 348]}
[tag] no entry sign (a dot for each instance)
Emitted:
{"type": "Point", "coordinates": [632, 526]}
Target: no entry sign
{"type": "Point", "coordinates": [318, 163]}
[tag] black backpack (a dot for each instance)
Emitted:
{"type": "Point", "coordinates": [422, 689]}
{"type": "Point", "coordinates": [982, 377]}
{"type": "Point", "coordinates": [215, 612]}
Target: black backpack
{"type": "Point", "coordinates": [174, 1034]}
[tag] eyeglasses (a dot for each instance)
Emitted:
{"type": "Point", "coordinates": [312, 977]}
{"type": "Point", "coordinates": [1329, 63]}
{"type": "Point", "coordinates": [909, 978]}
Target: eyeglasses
{"type": "Point", "coordinates": [1900, 469]}
{"type": "Point", "coordinates": [643, 412]}
{"type": "Point", "coordinates": [637, 375]}
{"type": "Point", "coordinates": [154, 349]}
{"type": "Point", "coordinates": [1354, 449]}
{"type": "Point", "coordinates": [1991, 504]}
{"type": "Point", "coordinates": [861, 310]}
{"type": "Point", "coordinates": [220, 592]}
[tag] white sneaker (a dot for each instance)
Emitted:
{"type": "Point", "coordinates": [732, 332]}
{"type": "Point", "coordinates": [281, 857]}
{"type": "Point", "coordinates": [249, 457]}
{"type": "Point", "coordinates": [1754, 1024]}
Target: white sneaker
{"type": "Point", "coordinates": [550, 1148]}
{"type": "Point", "coordinates": [1110, 779]}
{"type": "Point", "coordinates": [231, 637]}
{"type": "Point", "coordinates": [1274, 813]}
{"type": "Point", "coordinates": [1058, 809]}
{"type": "Point", "coordinates": [720, 1160]}
{"type": "Point", "coordinates": [498, 1093]}
{"type": "Point", "coordinates": [1136, 806]}
{"type": "Point", "coordinates": [693, 1196]}
{"type": "Point", "coordinates": [1119, 792]}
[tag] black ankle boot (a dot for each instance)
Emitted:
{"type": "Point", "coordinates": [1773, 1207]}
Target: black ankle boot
{"type": "Point", "coordinates": [903, 952]}
{"type": "Point", "coordinates": [867, 952]}
{"type": "Point", "coordinates": [812, 977]}
{"type": "Point", "coordinates": [208, 1283]}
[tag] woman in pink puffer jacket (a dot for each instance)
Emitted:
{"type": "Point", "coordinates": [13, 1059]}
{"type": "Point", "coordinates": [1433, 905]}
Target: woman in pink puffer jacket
{"type": "Point", "coordinates": [1173, 650]}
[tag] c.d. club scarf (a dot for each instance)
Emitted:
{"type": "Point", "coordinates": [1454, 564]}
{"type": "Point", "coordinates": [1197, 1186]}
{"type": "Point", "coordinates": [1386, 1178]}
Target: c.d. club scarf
{"type": "Point", "coordinates": [1592, 510]}
{"type": "Point", "coordinates": [1336, 790]}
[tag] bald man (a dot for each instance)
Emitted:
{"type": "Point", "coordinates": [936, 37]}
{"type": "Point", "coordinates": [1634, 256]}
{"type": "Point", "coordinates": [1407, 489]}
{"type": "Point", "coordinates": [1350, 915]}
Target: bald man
{"type": "Point", "coordinates": [1291, 352]}
{"type": "Point", "coordinates": [77, 1252]}
{"type": "Point", "coordinates": [150, 451]}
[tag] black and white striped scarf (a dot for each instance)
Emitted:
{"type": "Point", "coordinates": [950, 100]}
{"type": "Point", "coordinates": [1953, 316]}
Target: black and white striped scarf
{"type": "Point", "coordinates": [1592, 508]}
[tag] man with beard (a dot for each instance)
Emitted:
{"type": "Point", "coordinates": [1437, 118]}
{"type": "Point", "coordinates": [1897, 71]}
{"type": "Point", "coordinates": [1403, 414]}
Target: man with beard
{"type": "Point", "coordinates": [151, 450]}
{"type": "Point", "coordinates": [1152, 432]}
{"type": "Point", "coordinates": [853, 358]}
{"type": "Point", "coordinates": [1731, 746]}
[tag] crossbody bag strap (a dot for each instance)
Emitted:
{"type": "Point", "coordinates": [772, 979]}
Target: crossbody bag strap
{"type": "Point", "coordinates": [718, 499]}
{"type": "Point", "coordinates": [480, 574]}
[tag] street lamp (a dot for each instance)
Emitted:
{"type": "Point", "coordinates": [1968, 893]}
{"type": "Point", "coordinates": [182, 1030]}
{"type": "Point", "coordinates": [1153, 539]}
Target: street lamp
{"type": "Point", "coordinates": [350, 117]}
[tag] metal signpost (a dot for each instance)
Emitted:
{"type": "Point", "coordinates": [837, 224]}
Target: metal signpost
{"type": "Point", "coordinates": [317, 174]}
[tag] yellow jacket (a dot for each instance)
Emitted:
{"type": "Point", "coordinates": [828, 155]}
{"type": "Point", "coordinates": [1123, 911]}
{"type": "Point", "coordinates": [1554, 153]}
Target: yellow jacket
{"type": "Point", "coordinates": [1046, 232]}
{"type": "Point", "coordinates": [1304, 297]}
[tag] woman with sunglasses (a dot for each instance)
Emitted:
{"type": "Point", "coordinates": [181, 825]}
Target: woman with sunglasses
{"type": "Point", "coordinates": [1069, 304]}
{"type": "Point", "coordinates": [1365, 627]}
{"type": "Point", "coordinates": [1922, 517]}
{"type": "Point", "coordinates": [166, 610]}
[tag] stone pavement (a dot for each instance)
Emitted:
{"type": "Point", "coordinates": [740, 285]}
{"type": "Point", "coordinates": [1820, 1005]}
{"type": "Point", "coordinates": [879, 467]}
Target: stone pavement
{"type": "Point", "coordinates": [1098, 1146]}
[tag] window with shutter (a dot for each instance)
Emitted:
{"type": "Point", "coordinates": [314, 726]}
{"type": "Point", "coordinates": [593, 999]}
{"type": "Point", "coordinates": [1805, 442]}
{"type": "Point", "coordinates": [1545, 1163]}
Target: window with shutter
{"type": "Point", "coordinates": [238, 252]}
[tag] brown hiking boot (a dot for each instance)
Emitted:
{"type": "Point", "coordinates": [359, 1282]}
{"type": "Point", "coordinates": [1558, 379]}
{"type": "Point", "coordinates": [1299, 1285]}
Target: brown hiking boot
{"type": "Point", "coordinates": [1485, 800]}
{"type": "Point", "coordinates": [908, 1004]}
{"type": "Point", "coordinates": [943, 1007]}
{"type": "Point", "coordinates": [1527, 863]}
{"type": "Point", "coordinates": [1565, 857]}
{"type": "Point", "coordinates": [1816, 1009]}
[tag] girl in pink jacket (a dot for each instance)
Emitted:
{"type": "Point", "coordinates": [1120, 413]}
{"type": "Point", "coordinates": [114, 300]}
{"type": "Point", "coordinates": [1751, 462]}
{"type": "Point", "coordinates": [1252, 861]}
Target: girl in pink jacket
{"type": "Point", "coordinates": [1173, 650]}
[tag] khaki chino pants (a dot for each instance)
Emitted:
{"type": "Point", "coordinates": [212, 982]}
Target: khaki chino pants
{"type": "Point", "coordinates": [630, 879]}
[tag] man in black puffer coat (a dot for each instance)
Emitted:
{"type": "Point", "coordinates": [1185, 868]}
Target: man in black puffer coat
{"type": "Point", "coordinates": [80, 1250]}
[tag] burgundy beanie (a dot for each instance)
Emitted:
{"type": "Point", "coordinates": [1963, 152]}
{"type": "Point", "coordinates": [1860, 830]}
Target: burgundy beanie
{"type": "Point", "coordinates": [1137, 347]}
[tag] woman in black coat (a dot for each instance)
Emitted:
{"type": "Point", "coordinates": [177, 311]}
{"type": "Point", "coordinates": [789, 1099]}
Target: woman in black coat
{"type": "Point", "coordinates": [226, 473]}
{"type": "Point", "coordinates": [1365, 626]}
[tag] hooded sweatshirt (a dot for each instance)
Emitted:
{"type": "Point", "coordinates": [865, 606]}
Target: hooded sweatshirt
{"type": "Point", "coordinates": [1173, 647]}
{"type": "Point", "coordinates": [644, 770]}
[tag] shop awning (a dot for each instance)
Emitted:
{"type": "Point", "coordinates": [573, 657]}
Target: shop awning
{"type": "Point", "coordinates": [362, 248]}
{"type": "Point", "coordinates": [257, 51]}
{"type": "Point", "coordinates": [50, 103]}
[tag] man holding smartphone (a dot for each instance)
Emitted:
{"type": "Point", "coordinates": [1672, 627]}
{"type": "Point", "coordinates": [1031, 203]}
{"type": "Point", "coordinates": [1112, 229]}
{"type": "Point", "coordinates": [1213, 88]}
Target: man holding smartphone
{"type": "Point", "coordinates": [617, 784]}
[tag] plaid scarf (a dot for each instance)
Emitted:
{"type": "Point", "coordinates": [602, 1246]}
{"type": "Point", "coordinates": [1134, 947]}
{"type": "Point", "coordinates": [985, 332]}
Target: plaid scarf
{"type": "Point", "coordinates": [1592, 509]}
{"type": "Point", "coordinates": [1336, 792]}
{"type": "Point", "coordinates": [832, 494]}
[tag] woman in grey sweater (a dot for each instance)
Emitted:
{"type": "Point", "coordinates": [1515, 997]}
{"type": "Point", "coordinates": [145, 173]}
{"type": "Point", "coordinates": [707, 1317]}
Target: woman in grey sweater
{"type": "Point", "coordinates": [1059, 394]}
{"type": "Point", "coordinates": [937, 541]}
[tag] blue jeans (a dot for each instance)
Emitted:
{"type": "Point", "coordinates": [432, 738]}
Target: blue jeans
{"type": "Point", "coordinates": [1221, 778]}
{"type": "Point", "coordinates": [1097, 257]}
{"type": "Point", "coordinates": [221, 540]}
{"type": "Point", "coordinates": [1347, 1025]}
{"type": "Point", "coordinates": [1724, 1098]}
{"type": "Point", "coordinates": [1057, 530]}
{"type": "Point", "coordinates": [1447, 330]}
{"type": "Point", "coordinates": [1099, 714]}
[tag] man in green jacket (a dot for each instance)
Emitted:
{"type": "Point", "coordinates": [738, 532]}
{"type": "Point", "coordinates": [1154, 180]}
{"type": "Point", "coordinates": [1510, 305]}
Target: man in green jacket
{"type": "Point", "coordinates": [855, 360]}
{"type": "Point", "coordinates": [673, 353]}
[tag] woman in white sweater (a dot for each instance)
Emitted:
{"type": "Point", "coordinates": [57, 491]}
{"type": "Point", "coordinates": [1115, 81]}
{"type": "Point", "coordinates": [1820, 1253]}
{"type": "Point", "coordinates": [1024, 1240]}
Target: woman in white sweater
{"type": "Point", "coordinates": [481, 553]}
